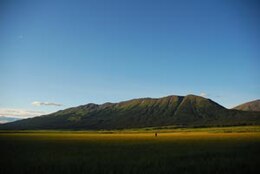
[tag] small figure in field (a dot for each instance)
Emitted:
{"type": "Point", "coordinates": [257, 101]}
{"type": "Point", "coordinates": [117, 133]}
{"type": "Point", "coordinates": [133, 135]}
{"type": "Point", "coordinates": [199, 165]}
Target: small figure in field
{"type": "Point", "coordinates": [155, 134]}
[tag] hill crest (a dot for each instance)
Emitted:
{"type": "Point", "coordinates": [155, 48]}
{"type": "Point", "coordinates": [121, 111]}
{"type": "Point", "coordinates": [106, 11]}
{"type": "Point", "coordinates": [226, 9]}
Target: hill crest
{"type": "Point", "coordinates": [249, 106]}
{"type": "Point", "coordinates": [187, 110]}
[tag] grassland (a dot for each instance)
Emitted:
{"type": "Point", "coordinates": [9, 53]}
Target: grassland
{"type": "Point", "coordinates": [200, 150]}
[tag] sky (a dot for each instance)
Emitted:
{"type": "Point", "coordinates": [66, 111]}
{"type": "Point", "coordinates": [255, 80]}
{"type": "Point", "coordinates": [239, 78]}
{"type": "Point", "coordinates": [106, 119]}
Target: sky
{"type": "Point", "coordinates": [57, 54]}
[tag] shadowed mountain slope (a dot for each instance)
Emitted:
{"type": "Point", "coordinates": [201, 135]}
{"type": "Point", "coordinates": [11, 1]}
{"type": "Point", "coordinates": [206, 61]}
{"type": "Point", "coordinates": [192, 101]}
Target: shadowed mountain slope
{"type": "Point", "coordinates": [187, 111]}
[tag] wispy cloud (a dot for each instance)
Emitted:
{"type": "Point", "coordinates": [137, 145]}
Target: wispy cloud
{"type": "Point", "coordinates": [218, 96]}
{"type": "Point", "coordinates": [37, 103]}
{"type": "Point", "coordinates": [203, 94]}
{"type": "Point", "coordinates": [20, 113]}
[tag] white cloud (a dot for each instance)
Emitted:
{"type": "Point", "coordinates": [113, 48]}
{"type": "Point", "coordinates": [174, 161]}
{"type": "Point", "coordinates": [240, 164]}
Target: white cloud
{"type": "Point", "coordinates": [37, 103]}
{"type": "Point", "coordinates": [203, 94]}
{"type": "Point", "coordinates": [20, 113]}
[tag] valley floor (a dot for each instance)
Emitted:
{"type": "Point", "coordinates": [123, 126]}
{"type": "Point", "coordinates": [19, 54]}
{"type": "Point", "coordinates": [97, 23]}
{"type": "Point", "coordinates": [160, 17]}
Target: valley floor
{"type": "Point", "coordinates": [202, 150]}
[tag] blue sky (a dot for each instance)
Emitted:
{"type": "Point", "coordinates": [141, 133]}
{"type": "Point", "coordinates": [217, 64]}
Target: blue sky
{"type": "Point", "coordinates": [77, 52]}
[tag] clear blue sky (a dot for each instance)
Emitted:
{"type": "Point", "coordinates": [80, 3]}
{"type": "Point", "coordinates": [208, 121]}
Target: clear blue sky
{"type": "Point", "coordinates": [76, 52]}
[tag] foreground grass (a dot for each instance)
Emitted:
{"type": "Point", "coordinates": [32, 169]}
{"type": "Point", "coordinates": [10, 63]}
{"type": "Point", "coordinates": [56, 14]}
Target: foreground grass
{"type": "Point", "coordinates": [184, 151]}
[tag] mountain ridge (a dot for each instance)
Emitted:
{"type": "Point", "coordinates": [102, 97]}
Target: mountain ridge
{"type": "Point", "coordinates": [7, 119]}
{"type": "Point", "coordinates": [190, 111]}
{"type": "Point", "coordinates": [249, 106]}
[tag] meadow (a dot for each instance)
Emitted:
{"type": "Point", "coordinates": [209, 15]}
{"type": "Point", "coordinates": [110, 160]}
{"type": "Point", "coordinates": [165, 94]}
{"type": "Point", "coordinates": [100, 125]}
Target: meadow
{"type": "Point", "coordinates": [193, 150]}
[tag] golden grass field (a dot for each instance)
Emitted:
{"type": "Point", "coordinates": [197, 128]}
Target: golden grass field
{"type": "Point", "coordinates": [201, 150]}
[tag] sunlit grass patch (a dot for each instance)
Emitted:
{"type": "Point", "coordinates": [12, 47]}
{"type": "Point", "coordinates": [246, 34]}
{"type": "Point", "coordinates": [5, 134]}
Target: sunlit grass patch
{"type": "Point", "coordinates": [207, 150]}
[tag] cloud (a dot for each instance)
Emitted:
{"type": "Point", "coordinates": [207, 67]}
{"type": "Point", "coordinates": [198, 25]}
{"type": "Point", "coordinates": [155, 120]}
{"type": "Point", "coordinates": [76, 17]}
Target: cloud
{"type": "Point", "coordinates": [218, 96]}
{"type": "Point", "coordinates": [37, 103]}
{"type": "Point", "coordinates": [20, 113]}
{"type": "Point", "coordinates": [203, 94]}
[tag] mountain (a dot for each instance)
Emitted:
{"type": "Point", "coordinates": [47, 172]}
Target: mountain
{"type": "Point", "coordinates": [187, 111]}
{"type": "Point", "coordinates": [249, 106]}
{"type": "Point", "coordinates": [4, 119]}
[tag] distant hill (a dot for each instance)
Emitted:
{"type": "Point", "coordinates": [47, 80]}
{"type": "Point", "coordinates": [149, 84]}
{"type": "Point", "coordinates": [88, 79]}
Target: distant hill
{"type": "Point", "coordinates": [249, 106]}
{"type": "Point", "coordinates": [186, 111]}
{"type": "Point", "coordinates": [6, 119]}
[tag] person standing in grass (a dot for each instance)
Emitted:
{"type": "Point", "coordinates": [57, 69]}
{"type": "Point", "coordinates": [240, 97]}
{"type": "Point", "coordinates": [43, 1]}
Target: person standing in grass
{"type": "Point", "coordinates": [155, 134]}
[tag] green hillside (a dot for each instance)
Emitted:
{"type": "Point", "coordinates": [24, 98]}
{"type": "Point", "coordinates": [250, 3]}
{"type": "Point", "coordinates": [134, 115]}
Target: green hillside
{"type": "Point", "coordinates": [188, 111]}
